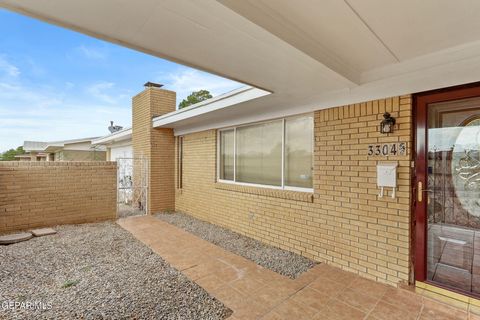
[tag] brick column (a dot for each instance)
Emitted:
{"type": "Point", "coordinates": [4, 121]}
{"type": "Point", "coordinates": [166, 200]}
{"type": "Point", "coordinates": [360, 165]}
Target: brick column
{"type": "Point", "coordinates": [156, 145]}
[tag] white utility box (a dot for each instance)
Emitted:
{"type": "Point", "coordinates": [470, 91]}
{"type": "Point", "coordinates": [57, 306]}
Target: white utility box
{"type": "Point", "coordinates": [387, 177]}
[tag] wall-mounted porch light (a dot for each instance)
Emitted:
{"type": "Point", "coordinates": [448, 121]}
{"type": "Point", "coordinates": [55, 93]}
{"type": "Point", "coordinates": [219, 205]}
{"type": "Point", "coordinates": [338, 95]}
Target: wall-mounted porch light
{"type": "Point", "coordinates": [386, 126]}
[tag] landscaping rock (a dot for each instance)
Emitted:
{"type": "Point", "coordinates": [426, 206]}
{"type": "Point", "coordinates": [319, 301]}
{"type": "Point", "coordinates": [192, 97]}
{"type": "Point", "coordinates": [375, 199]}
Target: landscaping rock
{"type": "Point", "coordinates": [282, 261]}
{"type": "Point", "coordinates": [16, 237]}
{"type": "Point", "coordinates": [98, 271]}
{"type": "Point", "coordinates": [43, 232]}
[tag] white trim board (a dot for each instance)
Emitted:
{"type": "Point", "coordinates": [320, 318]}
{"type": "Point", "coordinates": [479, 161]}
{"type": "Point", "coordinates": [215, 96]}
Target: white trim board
{"type": "Point", "coordinates": [121, 135]}
{"type": "Point", "coordinates": [229, 99]}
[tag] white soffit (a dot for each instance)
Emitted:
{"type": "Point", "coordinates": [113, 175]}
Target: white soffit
{"type": "Point", "coordinates": [341, 40]}
{"type": "Point", "coordinates": [411, 28]}
{"type": "Point", "coordinates": [203, 34]}
{"type": "Point", "coordinates": [311, 54]}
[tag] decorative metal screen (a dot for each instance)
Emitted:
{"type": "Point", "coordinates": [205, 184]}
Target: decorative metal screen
{"type": "Point", "coordinates": [132, 186]}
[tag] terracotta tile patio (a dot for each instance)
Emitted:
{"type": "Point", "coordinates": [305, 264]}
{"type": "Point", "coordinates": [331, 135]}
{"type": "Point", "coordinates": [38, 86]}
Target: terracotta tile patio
{"type": "Point", "coordinates": [253, 292]}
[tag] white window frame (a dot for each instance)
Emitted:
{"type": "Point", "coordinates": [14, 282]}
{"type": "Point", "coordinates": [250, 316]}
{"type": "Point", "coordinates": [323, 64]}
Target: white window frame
{"type": "Point", "coordinates": [283, 186]}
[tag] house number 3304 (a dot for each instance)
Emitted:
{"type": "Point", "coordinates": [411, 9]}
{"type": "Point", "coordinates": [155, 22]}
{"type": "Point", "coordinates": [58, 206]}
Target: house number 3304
{"type": "Point", "coordinates": [387, 149]}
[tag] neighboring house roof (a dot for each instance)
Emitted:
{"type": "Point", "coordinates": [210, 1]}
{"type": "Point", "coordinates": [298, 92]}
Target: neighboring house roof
{"type": "Point", "coordinates": [51, 146]}
{"type": "Point", "coordinates": [121, 135]}
{"type": "Point", "coordinates": [34, 145]}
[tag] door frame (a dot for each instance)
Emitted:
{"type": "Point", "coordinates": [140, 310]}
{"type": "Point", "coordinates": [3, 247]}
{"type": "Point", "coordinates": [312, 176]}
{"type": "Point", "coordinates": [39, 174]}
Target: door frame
{"type": "Point", "coordinates": [420, 138]}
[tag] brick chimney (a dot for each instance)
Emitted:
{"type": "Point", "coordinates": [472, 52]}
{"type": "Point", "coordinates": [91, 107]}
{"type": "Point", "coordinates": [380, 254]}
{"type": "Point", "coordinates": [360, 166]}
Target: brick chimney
{"type": "Point", "coordinates": [155, 145]}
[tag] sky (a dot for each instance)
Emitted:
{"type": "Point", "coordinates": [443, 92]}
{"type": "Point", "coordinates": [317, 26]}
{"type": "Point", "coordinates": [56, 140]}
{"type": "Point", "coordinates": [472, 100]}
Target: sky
{"type": "Point", "coordinates": [56, 84]}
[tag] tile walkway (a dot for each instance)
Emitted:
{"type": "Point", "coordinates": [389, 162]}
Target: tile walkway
{"type": "Point", "coordinates": [253, 292]}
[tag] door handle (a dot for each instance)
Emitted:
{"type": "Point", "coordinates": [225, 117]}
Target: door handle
{"type": "Point", "coordinates": [420, 191]}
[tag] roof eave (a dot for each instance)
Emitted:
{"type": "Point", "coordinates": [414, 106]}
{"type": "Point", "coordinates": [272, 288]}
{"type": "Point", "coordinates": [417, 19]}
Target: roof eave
{"type": "Point", "coordinates": [226, 100]}
{"type": "Point", "coordinates": [121, 135]}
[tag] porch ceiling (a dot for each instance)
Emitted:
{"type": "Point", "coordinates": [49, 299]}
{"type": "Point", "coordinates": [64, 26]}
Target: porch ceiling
{"type": "Point", "coordinates": [311, 54]}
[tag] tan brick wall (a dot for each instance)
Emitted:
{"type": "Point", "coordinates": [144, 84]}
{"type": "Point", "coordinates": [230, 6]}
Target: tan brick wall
{"type": "Point", "coordinates": [37, 194]}
{"type": "Point", "coordinates": [157, 145]}
{"type": "Point", "coordinates": [346, 224]}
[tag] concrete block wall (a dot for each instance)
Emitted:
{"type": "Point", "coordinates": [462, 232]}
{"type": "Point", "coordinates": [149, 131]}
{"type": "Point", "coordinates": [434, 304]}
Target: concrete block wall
{"type": "Point", "coordinates": [39, 194]}
{"type": "Point", "coordinates": [343, 222]}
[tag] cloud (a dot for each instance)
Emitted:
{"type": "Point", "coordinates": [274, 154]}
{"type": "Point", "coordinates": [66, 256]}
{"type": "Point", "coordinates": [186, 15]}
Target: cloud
{"type": "Point", "coordinates": [69, 85]}
{"type": "Point", "coordinates": [7, 68]}
{"type": "Point", "coordinates": [8, 87]}
{"type": "Point", "coordinates": [44, 114]}
{"type": "Point", "coordinates": [185, 80]}
{"type": "Point", "coordinates": [106, 92]}
{"type": "Point", "coordinates": [47, 113]}
{"type": "Point", "coordinates": [70, 121]}
{"type": "Point", "coordinates": [34, 68]}
{"type": "Point", "coordinates": [18, 94]}
{"type": "Point", "coordinates": [93, 53]}
{"type": "Point", "coordinates": [54, 110]}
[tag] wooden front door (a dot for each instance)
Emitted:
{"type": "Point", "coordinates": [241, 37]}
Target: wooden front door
{"type": "Point", "coordinates": [447, 188]}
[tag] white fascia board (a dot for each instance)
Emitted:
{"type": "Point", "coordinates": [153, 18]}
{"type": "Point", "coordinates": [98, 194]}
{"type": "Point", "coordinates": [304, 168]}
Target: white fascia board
{"type": "Point", "coordinates": [121, 135]}
{"type": "Point", "coordinates": [223, 101]}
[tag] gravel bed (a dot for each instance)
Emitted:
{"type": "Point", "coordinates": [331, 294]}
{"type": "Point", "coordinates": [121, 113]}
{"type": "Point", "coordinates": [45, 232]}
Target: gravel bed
{"type": "Point", "coordinates": [98, 271]}
{"type": "Point", "coordinates": [281, 261]}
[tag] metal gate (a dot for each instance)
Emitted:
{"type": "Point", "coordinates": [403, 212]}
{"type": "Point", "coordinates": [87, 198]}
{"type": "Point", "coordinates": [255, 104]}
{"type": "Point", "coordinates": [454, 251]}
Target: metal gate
{"type": "Point", "coordinates": [132, 186]}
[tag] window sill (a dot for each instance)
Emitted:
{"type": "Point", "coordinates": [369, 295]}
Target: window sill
{"type": "Point", "coordinates": [267, 192]}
